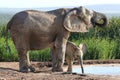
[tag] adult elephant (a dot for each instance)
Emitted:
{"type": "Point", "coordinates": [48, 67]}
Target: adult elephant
{"type": "Point", "coordinates": [36, 30]}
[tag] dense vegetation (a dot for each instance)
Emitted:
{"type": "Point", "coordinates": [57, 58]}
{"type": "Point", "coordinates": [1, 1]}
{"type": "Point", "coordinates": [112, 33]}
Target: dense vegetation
{"type": "Point", "coordinates": [102, 43]}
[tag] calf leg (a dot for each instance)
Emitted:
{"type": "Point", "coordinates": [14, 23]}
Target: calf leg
{"type": "Point", "coordinates": [70, 63]}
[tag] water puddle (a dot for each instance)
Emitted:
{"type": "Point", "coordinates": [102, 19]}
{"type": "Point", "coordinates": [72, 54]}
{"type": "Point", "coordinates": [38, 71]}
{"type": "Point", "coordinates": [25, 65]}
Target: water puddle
{"type": "Point", "coordinates": [100, 70]}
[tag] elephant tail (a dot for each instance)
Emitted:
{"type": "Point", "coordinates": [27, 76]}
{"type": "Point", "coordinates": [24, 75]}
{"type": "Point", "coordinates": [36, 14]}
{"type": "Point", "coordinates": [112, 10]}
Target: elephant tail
{"type": "Point", "coordinates": [7, 46]}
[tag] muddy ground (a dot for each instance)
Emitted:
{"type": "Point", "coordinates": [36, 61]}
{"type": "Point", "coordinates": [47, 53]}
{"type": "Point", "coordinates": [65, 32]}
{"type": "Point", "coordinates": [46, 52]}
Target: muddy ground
{"type": "Point", "coordinates": [9, 71]}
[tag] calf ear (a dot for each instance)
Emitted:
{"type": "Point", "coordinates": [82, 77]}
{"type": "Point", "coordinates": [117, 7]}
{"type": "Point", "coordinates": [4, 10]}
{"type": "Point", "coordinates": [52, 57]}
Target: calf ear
{"type": "Point", "coordinates": [73, 21]}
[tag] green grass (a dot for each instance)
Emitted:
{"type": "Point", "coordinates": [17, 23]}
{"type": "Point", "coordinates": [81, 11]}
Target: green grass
{"type": "Point", "coordinates": [99, 48]}
{"type": "Point", "coordinates": [102, 43]}
{"type": "Point", "coordinates": [4, 54]}
{"type": "Point", "coordinates": [40, 55]}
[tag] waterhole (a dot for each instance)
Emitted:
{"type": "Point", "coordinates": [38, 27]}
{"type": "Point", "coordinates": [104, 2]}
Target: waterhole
{"type": "Point", "coordinates": [99, 69]}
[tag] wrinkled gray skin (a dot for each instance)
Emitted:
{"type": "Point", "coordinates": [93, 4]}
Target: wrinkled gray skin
{"type": "Point", "coordinates": [37, 30]}
{"type": "Point", "coordinates": [72, 53]}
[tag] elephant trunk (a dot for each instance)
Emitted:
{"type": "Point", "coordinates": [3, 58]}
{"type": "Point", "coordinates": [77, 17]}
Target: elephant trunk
{"type": "Point", "coordinates": [97, 17]}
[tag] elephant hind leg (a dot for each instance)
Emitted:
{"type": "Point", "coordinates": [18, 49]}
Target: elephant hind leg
{"type": "Point", "coordinates": [22, 46]}
{"type": "Point", "coordinates": [24, 63]}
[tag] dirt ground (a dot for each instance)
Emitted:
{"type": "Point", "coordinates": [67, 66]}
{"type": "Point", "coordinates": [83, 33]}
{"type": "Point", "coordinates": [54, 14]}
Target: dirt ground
{"type": "Point", "coordinates": [9, 71]}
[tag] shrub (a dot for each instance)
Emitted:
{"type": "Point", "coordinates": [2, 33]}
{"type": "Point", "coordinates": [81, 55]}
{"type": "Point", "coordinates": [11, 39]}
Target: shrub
{"type": "Point", "coordinates": [99, 48]}
{"type": "Point", "coordinates": [5, 55]}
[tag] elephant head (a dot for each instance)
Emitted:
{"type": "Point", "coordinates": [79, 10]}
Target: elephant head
{"type": "Point", "coordinates": [99, 19]}
{"type": "Point", "coordinates": [81, 19]}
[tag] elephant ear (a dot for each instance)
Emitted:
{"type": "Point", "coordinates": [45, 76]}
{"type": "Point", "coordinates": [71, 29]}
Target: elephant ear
{"type": "Point", "coordinates": [83, 47]}
{"type": "Point", "coordinates": [74, 22]}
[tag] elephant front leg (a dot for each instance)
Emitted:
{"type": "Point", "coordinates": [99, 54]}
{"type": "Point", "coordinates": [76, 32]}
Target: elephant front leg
{"type": "Point", "coordinates": [58, 55]}
{"type": "Point", "coordinates": [24, 63]}
{"type": "Point", "coordinates": [58, 60]}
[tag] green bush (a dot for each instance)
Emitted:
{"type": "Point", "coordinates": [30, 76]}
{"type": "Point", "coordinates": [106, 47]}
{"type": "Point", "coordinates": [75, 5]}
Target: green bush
{"type": "Point", "coordinates": [4, 54]}
{"type": "Point", "coordinates": [40, 55]}
{"type": "Point", "coordinates": [2, 30]}
{"type": "Point", "coordinates": [99, 48]}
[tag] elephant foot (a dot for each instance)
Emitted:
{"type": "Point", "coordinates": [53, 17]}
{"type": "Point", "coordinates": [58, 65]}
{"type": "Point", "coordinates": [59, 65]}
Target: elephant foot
{"type": "Point", "coordinates": [32, 69]}
{"type": "Point", "coordinates": [24, 69]}
{"type": "Point", "coordinates": [27, 69]}
{"type": "Point", "coordinates": [57, 69]}
{"type": "Point", "coordinates": [83, 74]}
{"type": "Point", "coordinates": [67, 73]}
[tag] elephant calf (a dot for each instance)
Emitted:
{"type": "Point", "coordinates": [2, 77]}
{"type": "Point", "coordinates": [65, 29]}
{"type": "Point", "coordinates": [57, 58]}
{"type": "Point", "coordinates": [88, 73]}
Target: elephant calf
{"type": "Point", "coordinates": [74, 52]}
